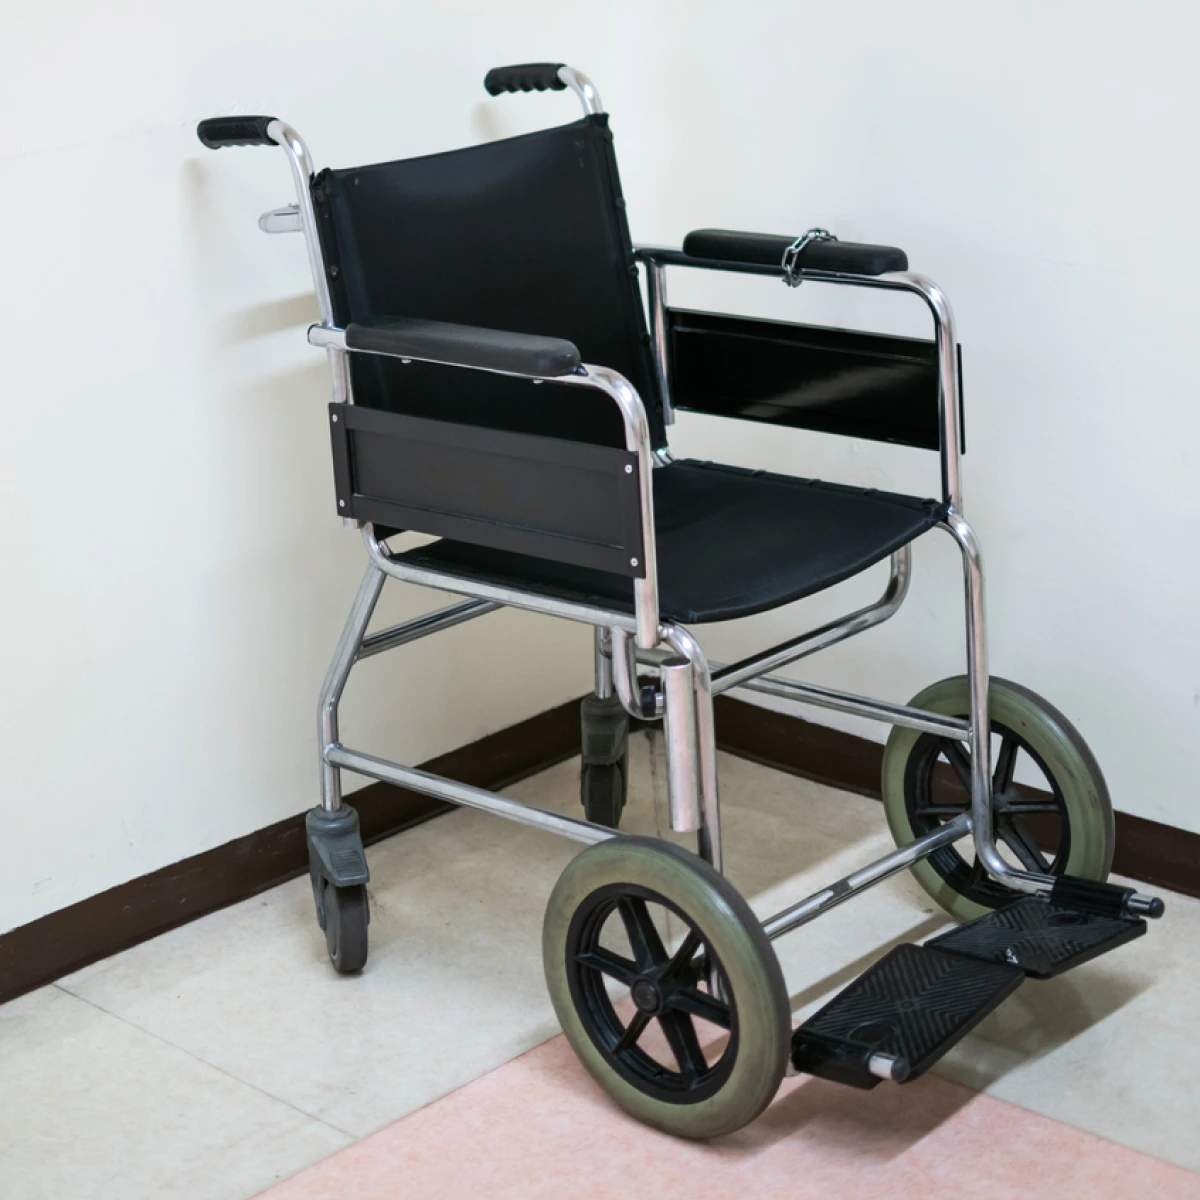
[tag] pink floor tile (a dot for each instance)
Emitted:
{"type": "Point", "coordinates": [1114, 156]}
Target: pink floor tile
{"type": "Point", "coordinates": [539, 1128]}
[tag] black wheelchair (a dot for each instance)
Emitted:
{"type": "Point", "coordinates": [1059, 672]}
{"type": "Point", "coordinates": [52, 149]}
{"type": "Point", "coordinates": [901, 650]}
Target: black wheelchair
{"type": "Point", "coordinates": [496, 384]}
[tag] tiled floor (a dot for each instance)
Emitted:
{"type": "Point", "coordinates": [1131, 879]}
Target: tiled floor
{"type": "Point", "coordinates": [225, 1056]}
{"type": "Point", "coordinates": [538, 1128]}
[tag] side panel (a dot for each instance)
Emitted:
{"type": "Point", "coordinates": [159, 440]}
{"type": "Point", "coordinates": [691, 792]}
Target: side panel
{"type": "Point", "coordinates": [861, 385]}
{"type": "Point", "coordinates": [539, 496]}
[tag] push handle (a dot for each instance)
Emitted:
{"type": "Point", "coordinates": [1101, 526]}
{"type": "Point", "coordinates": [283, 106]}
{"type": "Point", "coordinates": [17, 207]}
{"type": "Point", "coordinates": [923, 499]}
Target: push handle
{"type": "Point", "coordinates": [235, 131]}
{"type": "Point", "coordinates": [524, 77]}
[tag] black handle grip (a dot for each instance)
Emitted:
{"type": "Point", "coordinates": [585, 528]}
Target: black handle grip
{"type": "Point", "coordinates": [524, 77]}
{"type": "Point", "coordinates": [234, 131]}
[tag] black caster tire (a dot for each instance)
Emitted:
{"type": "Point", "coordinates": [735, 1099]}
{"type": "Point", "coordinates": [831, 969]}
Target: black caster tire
{"type": "Point", "coordinates": [604, 759]}
{"type": "Point", "coordinates": [647, 1052]}
{"type": "Point", "coordinates": [603, 788]}
{"type": "Point", "coordinates": [1071, 832]}
{"type": "Point", "coordinates": [345, 919]}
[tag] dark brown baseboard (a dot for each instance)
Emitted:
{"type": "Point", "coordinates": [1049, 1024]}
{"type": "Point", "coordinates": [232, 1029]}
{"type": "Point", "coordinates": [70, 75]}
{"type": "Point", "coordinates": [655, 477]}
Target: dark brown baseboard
{"type": "Point", "coordinates": [1148, 851]}
{"type": "Point", "coordinates": [73, 937]}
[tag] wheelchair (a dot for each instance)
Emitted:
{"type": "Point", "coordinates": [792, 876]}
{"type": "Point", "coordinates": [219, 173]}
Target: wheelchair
{"type": "Point", "coordinates": [501, 385]}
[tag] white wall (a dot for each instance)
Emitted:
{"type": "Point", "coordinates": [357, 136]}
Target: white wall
{"type": "Point", "coordinates": [1039, 160]}
{"type": "Point", "coordinates": [174, 576]}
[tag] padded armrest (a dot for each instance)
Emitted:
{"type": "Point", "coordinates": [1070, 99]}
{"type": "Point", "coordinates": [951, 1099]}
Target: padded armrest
{"type": "Point", "coordinates": [767, 249]}
{"type": "Point", "coordinates": [465, 346]}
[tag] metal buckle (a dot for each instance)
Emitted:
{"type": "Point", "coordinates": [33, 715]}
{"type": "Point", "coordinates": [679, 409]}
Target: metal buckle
{"type": "Point", "coordinates": [791, 272]}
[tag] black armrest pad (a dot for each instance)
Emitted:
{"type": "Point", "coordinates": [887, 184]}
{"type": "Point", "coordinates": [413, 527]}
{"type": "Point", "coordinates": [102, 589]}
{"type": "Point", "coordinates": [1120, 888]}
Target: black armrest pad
{"type": "Point", "coordinates": [465, 346]}
{"type": "Point", "coordinates": [766, 249]}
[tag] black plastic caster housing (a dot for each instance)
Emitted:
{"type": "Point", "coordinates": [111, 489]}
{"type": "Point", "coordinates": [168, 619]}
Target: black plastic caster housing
{"type": "Point", "coordinates": [604, 770]}
{"type": "Point", "coordinates": [337, 867]}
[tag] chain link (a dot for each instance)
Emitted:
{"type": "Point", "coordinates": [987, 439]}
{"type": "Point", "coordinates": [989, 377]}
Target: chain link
{"type": "Point", "coordinates": [791, 271]}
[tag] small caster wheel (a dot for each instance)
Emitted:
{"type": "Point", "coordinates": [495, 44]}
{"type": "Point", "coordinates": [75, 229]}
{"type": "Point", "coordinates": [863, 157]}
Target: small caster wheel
{"type": "Point", "coordinates": [344, 917]}
{"type": "Point", "coordinates": [604, 773]}
{"type": "Point", "coordinates": [603, 788]}
{"type": "Point", "coordinates": [1065, 827]}
{"type": "Point", "coordinates": [693, 1041]}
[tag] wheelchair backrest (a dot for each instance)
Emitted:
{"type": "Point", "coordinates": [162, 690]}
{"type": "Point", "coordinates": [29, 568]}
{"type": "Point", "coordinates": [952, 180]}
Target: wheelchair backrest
{"type": "Point", "coordinates": [526, 234]}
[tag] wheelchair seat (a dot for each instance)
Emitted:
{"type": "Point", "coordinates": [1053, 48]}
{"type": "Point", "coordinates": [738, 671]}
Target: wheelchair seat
{"type": "Point", "coordinates": [731, 542]}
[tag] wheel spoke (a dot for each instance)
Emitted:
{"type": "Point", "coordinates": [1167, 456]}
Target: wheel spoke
{"type": "Point", "coordinates": [1006, 765]}
{"type": "Point", "coordinates": [697, 1004]}
{"type": "Point", "coordinates": [960, 760]}
{"type": "Point", "coordinates": [1016, 837]}
{"type": "Point", "coordinates": [681, 1037]}
{"type": "Point", "coordinates": [975, 878]}
{"type": "Point", "coordinates": [682, 956]}
{"type": "Point", "coordinates": [608, 963]}
{"type": "Point", "coordinates": [633, 1031]}
{"type": "Point", "coordinates": [945, 810]}
{"type": "Point", "coordinates": [1017, 807]}
{"type": "Point", "coordinates": [647, 946]}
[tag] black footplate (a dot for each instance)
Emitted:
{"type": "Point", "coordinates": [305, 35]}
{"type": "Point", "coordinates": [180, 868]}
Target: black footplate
{"type": "Point", "coordinates": [1039, 936]}
{"type": "Point", "coordinates": [905, 1012]}
{"type": "Point", "coordinates": [899, 1017]}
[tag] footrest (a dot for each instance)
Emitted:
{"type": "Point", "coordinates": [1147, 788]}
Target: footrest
{"type": "Point", "coordinates": [899, 1017]}
{"type": "Point", "coordinates": [1040, 937]}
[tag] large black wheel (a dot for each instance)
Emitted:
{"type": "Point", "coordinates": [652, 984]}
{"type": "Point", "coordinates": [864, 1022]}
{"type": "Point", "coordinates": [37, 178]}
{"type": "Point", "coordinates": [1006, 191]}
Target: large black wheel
{"type": "Point", "coordinates": [1061, 824]}
{"type": "Point", "coordinates": [344, 916]}
{"type": "Point", "coordinates": [692, 1040]}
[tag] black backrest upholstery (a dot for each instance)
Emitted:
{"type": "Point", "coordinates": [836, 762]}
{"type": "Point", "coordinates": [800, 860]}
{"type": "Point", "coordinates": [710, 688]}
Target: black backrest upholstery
{"type": "Point", "coordinates": [526, 234]}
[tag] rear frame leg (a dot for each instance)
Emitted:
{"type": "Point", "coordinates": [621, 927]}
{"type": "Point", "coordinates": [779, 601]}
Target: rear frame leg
{"type": "Point", "coordinates": [337, 862]}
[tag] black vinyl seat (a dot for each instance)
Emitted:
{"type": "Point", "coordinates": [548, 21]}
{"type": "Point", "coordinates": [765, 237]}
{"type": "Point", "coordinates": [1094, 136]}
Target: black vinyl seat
{"type": "Point", "coordinates": [528, 235]}
{"type": "Point", "coordinates": [731, 542]}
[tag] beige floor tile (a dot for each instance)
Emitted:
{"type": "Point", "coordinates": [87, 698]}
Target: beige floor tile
{"type": "Point", "coordinates": [454, 985]}
{"type": "Point", "coordinates": [92, 1108]}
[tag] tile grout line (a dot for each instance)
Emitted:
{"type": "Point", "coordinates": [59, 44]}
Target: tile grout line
{"type": "Point", "coordinates": [204, 1062]}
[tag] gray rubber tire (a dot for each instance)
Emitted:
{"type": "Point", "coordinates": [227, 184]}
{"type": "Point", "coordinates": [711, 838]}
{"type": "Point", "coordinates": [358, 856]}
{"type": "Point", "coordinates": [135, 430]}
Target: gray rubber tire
{"type": "Point", "coordinates": [758, 992]}
{"type": "Point", "coordinates": [1064, 753]}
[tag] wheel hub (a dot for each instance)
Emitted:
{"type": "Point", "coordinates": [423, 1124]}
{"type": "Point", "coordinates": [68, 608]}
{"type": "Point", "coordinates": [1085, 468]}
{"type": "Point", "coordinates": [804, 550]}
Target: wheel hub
{"type": "Point", "coordinates": [647, 996]}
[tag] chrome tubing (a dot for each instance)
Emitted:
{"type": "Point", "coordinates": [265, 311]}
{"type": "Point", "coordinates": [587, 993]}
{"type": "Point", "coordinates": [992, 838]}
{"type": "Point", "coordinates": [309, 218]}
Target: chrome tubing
{"type": "Point", "coordinates": [282, 220]}
{"type": "Point", "coordinates": [946, 337]}
{"type": "Point", "coordinates": [466, 796]}
{"type": "Point", "coordinates": [981, 734]}
{"type": "Point", "coordinates": [335, 681]}
{"type": "Point", "coordinates": [586, 614]}
{"type": "Point", "coordinates": [423, 626]}
{"type": "Point", "coordinates": [949, 386]}
{"type": "Point", "coordinates": [584, 88]}
{"type": "Point", "coordinates": [682, 752]}
{"type": "Point", "coordinates": [656, 296]}
{"type": "Point", "coordinates": [837, 893]}
{"type": "Point", "coordinates": [738, 673]}
{"type": "Point", "coordinates": [889, 1067]}
{"type": "Point", "coordinates": [709, 834]}
{"type": "Point", "coordinates": [302, 171]}
{"type": "Point", "coordinates": [624, 673]}
{"type": "Point", "coordinates": [861, 706]}
{"type": "Point", "coordinates": [637, 440]}
{"type": "Point", "coordinates": [602, 667]}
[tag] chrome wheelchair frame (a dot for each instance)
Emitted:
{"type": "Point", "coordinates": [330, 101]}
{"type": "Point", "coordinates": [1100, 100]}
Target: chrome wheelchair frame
{"type": "Point", "coordinates": [913, 1004]}
{"type": "Point", "coordinates": [688, 681]}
